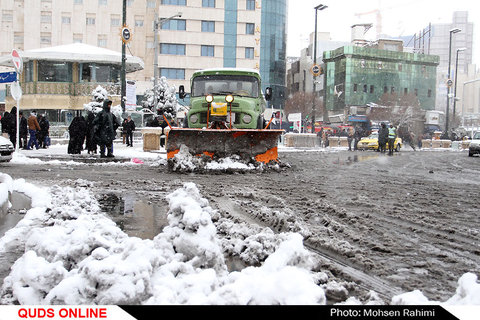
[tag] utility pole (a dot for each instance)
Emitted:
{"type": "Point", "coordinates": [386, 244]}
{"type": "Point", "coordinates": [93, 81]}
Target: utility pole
{"type": "Point", "coordinates": [122, 76]}
{"type": "Point", "coordinates": [157, 23]}
{"type": "Point", "coordinates": [319, 7]}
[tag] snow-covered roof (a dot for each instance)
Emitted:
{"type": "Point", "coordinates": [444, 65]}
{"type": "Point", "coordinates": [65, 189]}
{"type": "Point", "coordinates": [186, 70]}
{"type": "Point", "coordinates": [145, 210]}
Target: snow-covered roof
{"type": "Point", "coordinates": [77, 52]}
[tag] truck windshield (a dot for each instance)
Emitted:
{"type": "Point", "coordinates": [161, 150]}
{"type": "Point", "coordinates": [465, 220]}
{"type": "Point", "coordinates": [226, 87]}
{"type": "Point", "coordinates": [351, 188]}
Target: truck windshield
{"type": "Point", "coordinates": [244, 86]}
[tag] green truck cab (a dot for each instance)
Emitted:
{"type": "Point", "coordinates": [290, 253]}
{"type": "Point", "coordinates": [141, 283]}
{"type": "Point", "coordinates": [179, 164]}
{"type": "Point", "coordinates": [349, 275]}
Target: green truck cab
{"type": "Point", "coordinates": [221, 92]}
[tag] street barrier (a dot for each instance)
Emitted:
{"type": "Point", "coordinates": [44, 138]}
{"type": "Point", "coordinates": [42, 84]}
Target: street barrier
{"type": "Point", "coordinates": [301, 140]}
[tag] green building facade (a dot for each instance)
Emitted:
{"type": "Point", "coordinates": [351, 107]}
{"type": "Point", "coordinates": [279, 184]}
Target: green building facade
{"type": "Point", "coordinates": [357, 76]}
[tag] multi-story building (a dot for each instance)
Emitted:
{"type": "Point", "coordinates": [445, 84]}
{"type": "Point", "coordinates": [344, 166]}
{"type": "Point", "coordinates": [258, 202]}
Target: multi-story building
{"type": "Point", "coordinates": [209, 33]}
{"type": "Point", "coordinates": [357, 76]}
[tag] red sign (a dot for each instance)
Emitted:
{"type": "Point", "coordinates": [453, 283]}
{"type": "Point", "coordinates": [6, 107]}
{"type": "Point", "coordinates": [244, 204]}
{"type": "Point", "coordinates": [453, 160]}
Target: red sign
{"type": "Point", "coordinates": [17, 61]}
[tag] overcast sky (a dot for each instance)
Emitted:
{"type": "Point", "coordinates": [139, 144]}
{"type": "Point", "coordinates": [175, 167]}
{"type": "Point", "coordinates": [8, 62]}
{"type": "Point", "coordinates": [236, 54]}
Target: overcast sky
{"type": "Point", "coordinates": [399, 18]}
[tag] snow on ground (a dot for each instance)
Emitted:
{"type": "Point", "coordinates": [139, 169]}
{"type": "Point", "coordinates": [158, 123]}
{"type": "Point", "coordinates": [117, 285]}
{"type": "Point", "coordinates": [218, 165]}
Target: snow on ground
{"type": "Point", "coordinates": [75, 254]}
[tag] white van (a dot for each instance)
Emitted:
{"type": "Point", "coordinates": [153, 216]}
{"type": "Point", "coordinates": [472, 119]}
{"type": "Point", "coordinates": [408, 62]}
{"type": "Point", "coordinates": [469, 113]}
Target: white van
{"type": "Point", "coordinates": [474, 144]}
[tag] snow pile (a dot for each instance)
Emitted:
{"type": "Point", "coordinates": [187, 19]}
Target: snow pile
{"type": "Point", "coordinates": [74, 254]}
{"type": "Point", "coordinates": [99, 95]}
{"type": "Point", "coordinates": [185, 162]}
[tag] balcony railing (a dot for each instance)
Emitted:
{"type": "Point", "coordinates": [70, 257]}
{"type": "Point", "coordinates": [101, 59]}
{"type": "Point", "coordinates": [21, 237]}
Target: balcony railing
{"type": "Point", "coordinates": [67, 88]}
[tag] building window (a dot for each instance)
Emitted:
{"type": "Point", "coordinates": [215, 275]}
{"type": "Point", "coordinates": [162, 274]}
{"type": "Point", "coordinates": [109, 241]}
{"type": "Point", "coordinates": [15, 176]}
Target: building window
{"type": "Point", "coordinates": [139, 23]}
{"type": "Point", "coordinates": [429, 93]}
{"type": "Point", "coordinates": [355, 87]}
{"type": "Point", "coordinates": [66, 20]}
{"type": "Point", "coordinates": [129, 3]}
{"type": "Point", "coordinates": [208, 3]}
{"type": "Point", "coordinates": [77, 1]}
{"type": "Point", "coordinates": [46, 17]}
{"type": "Point", "coordinates": [77, 38]}
{"type": "Point", "coordinates": [102, 42]}
{"type": "Point", "coordinates": [174, 24]}
{"type": "Point", "coordinates": [151, 4]}
{"type": "Point", "coordinates": [250, 28]}
{"type": "Point", "coordinates": [45, 38]}
{"type": "Point", "coordinates": [400, 67]}
{"type": "Point", "coordinates": [405, 91]}
{"type": "Point", "coordinates": [208, 51]}
{"type": "Point", "coordinates": [250, 4]}
{"type": "Point", "coordinates": [208, 26]}
{"type": "Point", "coordinates": [385, 89]}
{"type": "Point", "coordinates": [150, 45]}
{"type": "Point", "coordinates": [94, 72]}
{"type": "Point", "coordinates": [90, 21]}
{"type": "Point", "coordinates": [416, 92]}
{"type": "Point", "coordinates": [372, 88]}
{"type": "Point", "coordinates": [172, 73]}
{"type": "Point", "coordinates": [54, 71]}
{"type": "Point", "coordinates": [172, 48]}
{"type": "Point", "coordinates": [249, 53]}
{"type": "Point", "coordinates": [392, 90]}
{"type": "Point", "coordinates": [102, 2]}
{"type": "Point", "coordinates": [115, 22]}
{"type": "Point", "coordinates": [365, 88]}
{"type": "Point", "coordinates": [175, 2]}
{"type": "Point", "coordinates": [7, 16]}
{"type": "Point", "coordinates": [17, 38]}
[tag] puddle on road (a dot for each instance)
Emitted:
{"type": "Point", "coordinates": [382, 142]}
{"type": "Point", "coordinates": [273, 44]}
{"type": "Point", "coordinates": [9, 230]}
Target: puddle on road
{"type": "Point", "coordinates": [349, 160]}
{"type": "Point", "coordinates": [136, 217]}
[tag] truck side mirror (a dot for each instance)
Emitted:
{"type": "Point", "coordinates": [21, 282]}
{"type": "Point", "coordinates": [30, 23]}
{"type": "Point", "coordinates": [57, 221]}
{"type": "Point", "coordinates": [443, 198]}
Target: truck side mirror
{"type": "Point", "coordinates": [181, 92]}
{"type": "Point", "coordinates": [268, 93]}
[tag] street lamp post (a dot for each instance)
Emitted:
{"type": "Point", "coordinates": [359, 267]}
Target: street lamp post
{"type": "Point", "coordinates": [455, 89]}
{"type": "Point", "coordinates": [156, 25]}
{"type": "Point", "coordinates": [319, 7]}
{"type": "Point", "coordinates": [454, 30]}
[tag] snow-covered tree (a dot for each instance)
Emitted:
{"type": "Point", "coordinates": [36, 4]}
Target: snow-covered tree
{"type": "Point", "coordinates": [166, 99]}
{"type": "Point", "coordinates": [99, 95]}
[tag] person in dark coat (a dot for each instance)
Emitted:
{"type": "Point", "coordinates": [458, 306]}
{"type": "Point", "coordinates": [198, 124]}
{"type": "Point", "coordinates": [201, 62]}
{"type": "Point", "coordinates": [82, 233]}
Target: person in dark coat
{"type": "Point", "coordinates": [124, 131]}
{"type": "Point", "coordinates": [4, 121]}
{"type": "Point", "coordinates": [12, 125]}
{"type": "Point", "coordinates": [382, 138]}
{"type": "Point", "coordinates": [44, 132]}
{"type": "Point", "coordinates": [357, 137]}
{"type": "Point", "coordinates": [77, 131]}
{"type": "Point", "coordinates": [90, 143]}
{"type": "Point", "coordinates": [105, 129]}
{"type": "Point", "coordinates": [129, 127]}
{"type": "Point", "coordinates": [23, 131]}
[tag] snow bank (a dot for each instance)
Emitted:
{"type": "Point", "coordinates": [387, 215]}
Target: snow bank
{"type": "Point", "coordinates": [74, 254]}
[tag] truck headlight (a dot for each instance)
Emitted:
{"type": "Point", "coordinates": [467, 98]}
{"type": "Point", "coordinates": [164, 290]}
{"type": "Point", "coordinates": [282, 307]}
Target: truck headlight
{"type": "Point", "coordinates": [247, 118]}
{"type": "Point", "coordinates": [193, 118]}
{"type": "Point", "coordinates": [209, 98]}
{"type": "Point", "coordinates": [229, 98]}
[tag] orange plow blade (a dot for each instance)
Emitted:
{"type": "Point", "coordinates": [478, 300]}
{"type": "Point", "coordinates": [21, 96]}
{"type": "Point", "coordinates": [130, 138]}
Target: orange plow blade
{"type": "Point", "coordinates": [260, 145]}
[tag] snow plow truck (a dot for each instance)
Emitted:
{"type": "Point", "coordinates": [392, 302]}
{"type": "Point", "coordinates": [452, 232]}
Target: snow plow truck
{"type": "Point", "coordinates": [225, 117]}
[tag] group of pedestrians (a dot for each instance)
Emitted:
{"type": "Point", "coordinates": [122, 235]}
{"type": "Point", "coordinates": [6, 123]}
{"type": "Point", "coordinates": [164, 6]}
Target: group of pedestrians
{"type": "Point", "coordinates": [98, 130]}
{"type": "Point", "coordinates": [36, 128]}
{"type": "Point", "coordinates": [387, 135]}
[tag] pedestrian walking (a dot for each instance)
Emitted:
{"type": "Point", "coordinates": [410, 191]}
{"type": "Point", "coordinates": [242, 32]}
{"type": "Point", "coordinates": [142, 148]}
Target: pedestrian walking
{"type": "Point", "coordinates": [412, 140]}
{"type": "Point", "coordinates": [350, 138]}
{"type": "Point", "coordinates": [23, 131]}
{"type": "Point", "coordinates": [357, 137]}
{"type": "Point", "coordinates": [129, 127]}
{"type": "Point", "coordinates": [33, 127]}
{"type": "Point", "coordinates": [105, 127]}
{"type": "Point", "coordinates": [382, 138]}
{"type": "Point", "coordinates": [392, 135]}
{"type": "Point", "coordinates": [124, 131]}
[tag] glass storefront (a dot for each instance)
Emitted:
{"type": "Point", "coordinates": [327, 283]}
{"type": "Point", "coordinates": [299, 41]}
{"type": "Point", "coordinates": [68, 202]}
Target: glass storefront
{"type": "Point", "coordinates": [95, 72]}
{"type": "Point", "coordinates": [54, 71]}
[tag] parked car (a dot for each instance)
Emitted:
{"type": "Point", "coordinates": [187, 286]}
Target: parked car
{"type": "Point", "coordinates": [474, 146]}
{"type": "Point", "coordinates": [6, 149]}
{"type": "Point", "coordinates": [371, 143]}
